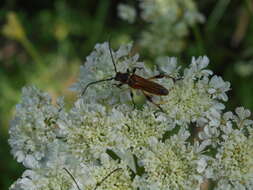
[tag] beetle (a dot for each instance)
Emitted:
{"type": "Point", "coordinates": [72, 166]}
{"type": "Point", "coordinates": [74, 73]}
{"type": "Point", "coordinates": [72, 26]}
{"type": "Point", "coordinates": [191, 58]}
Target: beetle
{"type": "Point", "coordinates": [129, 78]}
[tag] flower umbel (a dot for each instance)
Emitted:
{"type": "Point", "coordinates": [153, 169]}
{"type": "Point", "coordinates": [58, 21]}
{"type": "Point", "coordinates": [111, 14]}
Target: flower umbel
{"type": "Point", "coordinates": [34, 127]}
{"type": "Point", "coordinates": [172, 164]}
{"type": "Point", "coordinates": [104, 143]}
{"type": "Point", "coordinates": [168, 23]}
{"type": "Point", "coordinates": [233, 165]}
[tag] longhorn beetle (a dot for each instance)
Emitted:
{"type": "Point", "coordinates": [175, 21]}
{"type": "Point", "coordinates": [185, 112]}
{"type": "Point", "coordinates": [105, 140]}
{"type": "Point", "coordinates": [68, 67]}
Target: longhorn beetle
{"type": "Point", "coordinates": [147, 86]}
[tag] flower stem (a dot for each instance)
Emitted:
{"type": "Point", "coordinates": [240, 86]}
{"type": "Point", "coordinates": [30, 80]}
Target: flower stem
{"type": "Point", "coordinates": [31, 51]}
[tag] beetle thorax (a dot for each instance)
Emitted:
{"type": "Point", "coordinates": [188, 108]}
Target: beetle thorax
{"type": "Point", "coordinates": [122, 77]}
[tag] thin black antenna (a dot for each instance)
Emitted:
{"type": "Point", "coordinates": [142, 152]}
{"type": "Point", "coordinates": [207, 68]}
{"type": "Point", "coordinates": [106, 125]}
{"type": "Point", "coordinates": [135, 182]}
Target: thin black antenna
{"type": "Point", "coordinates": [108, 175]}
{"type": "Point", "coordinates": [95, 82]}
{"type": "Point", "coordinates": [72, 178]}
{"type": "Point", "coordinates": [114, 64]}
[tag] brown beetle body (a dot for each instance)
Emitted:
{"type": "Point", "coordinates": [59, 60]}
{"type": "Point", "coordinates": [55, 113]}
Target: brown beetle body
{"type": "Point", "coordinates": [147, 86]}
{"type": "Point", "coordinates": [138, 82]}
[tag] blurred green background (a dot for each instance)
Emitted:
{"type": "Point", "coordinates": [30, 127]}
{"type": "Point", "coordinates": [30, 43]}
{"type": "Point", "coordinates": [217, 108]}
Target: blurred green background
{"type": "Point", "coordinates": [44, 43]}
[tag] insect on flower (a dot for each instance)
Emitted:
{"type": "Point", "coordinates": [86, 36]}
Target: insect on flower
{"type": "Point", "coordinates": [147, 86]}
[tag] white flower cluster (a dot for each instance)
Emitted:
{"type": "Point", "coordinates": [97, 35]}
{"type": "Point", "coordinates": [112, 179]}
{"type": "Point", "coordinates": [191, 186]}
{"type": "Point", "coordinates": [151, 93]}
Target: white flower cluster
{"type": "Point", "coordinates": [126, 12]}
{"type": "Point", "coordinates": [102, 142]}
{"type": "Point", "coordinates": [168, 23]}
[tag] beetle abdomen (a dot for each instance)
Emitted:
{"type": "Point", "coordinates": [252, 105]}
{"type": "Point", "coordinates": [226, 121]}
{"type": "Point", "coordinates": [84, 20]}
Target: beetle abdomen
{"type": "Point", "coordinates": [138, 82]}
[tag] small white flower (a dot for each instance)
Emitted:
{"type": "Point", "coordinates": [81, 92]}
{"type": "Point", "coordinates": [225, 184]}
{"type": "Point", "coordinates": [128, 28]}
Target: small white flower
{"type": "Point", "coordinates": [210, 135]}
{"type": "Point", "coordinates": [168, 65]}
{"type": "Point", "coordinates": [201, 165]}
{"type": "Point", "coordinates": [126, 12]}
{"type": "Point", "coordinates": [218, 88]}
{"type": "Point", "coordinates": [197, 69]}
{"type": "Point", "coordinates": [128, 158]}
{"type": "Point", "coordinates": [233, 165]}
{"type": "Point", "coordinates": [242, 116]}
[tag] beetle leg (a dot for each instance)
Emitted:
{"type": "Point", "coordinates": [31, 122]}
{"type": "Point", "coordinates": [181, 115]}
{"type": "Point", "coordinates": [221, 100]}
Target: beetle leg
{"type": "Point", "coordinates": [159, 76]}
{"type": "Point", "coordinates": [149, 98]}
{"type": "Point", "coordinates": [118, 85]}
{"type": "Point", "coordinates": [132, 98]}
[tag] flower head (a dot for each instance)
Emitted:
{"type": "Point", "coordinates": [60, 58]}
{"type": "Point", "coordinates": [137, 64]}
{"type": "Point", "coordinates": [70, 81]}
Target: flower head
{"type": "Point", "coordinates": [109, 175]}
{"type": "Point", "coordinates": [233, 166]}
{"type": "Point", "coordinates": [127, 12]}
{"type": "Point", "coordinates": [33, 127]}
{"type": "Point", "coordinates": [102, 143]}
{"type": "Point", "coordinates": [13, 28]}
{"type": "Point", "coordinates": [168, 24]}
{"type": "Point", "coordinates": [173, 164]}
{"type": "Point", "coordinates": [189, 98]}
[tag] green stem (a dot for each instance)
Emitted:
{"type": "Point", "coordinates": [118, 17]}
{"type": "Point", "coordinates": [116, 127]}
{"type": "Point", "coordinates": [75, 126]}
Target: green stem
{"type": "Point", "coordinates": [217, 14]}
{"type": "Point", "coordinates": [100, 19]}
{"type": "Point", "coordinates": [199, 39]}
{"type": "Point", "coordinates": [31, 51]}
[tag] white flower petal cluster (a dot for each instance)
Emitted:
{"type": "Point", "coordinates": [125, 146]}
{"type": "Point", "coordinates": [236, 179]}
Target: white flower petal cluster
{"type": "Point", "coordinates": [35, 180]}
{"type": "Point", "coordinates": [173, 164]}
{"type": "Point", "coordinates": [93, 130]}
{"type": "Point", "coordinates": [119, 176]}
{"type": "Point", "coordinates": [242, 117]}
{"type": "Point", "coordinates": [168, 23]}
{"type": "Point", "coordinates": [233, 166]}
{"type": "Point", "coordinates": [50, 174]}
{"type": "Point", "coordinates": [103, 143]}
{"type": "Point", "coordinates": [126, 12]}
{"type": "Point", "coordinates": [190, 99]}
{"type": "Point", "coordinates": [89, 131]}
{"type": "Point", "coordinates": [227, 122]}
{"type": "Point", "coordinates": [34, 127]}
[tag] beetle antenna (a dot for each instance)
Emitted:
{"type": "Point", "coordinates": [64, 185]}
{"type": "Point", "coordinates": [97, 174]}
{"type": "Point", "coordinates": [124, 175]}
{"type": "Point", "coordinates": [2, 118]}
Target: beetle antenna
{"type": "Point", "coordinates": [113, 61]}
{"type": "Point", "coordinates": [91, 83]}
{"type": "Point", "coordinates": [108, 175]}
{"type": "Point", "coordinates": [72, 177]}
